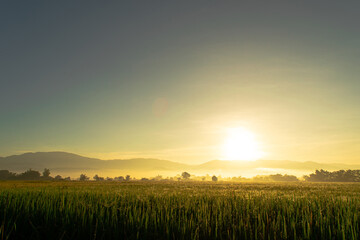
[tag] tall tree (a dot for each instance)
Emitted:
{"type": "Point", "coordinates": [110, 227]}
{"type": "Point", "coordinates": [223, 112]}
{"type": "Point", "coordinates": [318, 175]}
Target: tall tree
{"type": "Point", "coordinates": [46, 173]}
{"type": "Point", "coordinates": [83, 177]}
{"type": "Point", "coordinates": [185, 175]}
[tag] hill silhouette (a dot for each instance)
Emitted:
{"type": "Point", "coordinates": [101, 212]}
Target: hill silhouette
{"type": "Point", "coordinates": [72, 164]}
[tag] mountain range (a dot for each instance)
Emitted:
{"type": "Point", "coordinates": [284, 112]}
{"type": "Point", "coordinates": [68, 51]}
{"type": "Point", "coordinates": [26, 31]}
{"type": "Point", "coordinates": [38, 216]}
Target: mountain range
{"type": "Point", "coordinates": [70, 164]}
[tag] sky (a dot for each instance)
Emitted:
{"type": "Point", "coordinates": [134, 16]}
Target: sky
{"type": "Point", "coordinates": [167, 79]}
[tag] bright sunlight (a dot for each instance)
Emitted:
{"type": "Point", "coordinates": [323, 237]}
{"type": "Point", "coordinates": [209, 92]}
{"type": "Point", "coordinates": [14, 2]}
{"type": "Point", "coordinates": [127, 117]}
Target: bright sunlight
{"type": "Point", "coordinates": [241, 144]}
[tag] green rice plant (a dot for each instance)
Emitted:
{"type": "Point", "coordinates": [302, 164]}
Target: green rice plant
{"type": "Point", "coordinates": [178, 210]}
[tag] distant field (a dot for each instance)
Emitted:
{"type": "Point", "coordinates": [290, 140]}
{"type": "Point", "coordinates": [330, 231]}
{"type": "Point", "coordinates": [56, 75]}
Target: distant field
{"type": "Point", "coordinates": [179, 210]}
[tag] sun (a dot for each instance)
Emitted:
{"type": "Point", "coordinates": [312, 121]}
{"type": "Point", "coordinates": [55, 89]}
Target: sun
{"type": "Point", "coordinates": [241, 144]}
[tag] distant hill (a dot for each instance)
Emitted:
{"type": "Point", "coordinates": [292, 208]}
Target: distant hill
{"type": "Point", "coordinates": [72, 164]}
{"type": "Point", "coordinates": [63, 160]}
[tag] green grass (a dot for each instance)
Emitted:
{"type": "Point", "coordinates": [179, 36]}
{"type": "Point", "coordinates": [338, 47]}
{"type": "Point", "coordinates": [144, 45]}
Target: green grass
{"type": "Point", "coordinates": [179, 210]}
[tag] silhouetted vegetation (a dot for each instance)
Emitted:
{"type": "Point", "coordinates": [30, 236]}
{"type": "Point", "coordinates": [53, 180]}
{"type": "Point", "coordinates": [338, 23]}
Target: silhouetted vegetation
{"type": "Point", "coordinates": [97, 178]}
{"type": "Point", "coordinates": [185, 175]}
{"type": "Point", "coordinates": [6, 175]}
{"type": "Point", "coordinates": [58, 178]}
{"type": "Point", "coordinates": [46, 173]}
{"type": "Point", "coordinates": [276, 178]}
{"type": "Point", "coordinates": [120, 178]}
{"type": "Point", "coordinates": [83, 177]}
{"type": "Point", "coordinates": [30, 174]}
{"type": "Point", "coordinates": [27, 175]}
{"type": "Point", "coordinates": [336, 176]}
{"type": "Point", "coordinates": [317, 176]}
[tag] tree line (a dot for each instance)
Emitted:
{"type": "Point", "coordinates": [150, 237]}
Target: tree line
{"type": "Point", "coordinates": [336, 176]}
{"type": "Point", "coordinates": [318, 176]}
{"type": "Point", "coordinates": [30, 175]}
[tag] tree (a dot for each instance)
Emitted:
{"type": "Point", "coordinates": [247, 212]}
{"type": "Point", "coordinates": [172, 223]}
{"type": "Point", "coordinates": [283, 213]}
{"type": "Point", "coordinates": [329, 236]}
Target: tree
{"type": "Point", "coordinates": [46, 173]}
{"type": "Point", "coordinates": [214, 178]}
{"type": "Point", "coordinates": [97, 178]}
{"type": "Point", "coordinates": [30, 175]}
{"type": "Point", "coordinates": [127, 178]}
{"type": "Point", "coordinates": [83, 177]}
{"type": "Point", "coordinates": [6, 175]}
{"type": "Point", "coordinates": [157, 178]}
{"type": "Point", "coordinates": [336, 176]}
{"type": "Point", "coordinates": [185, 175]}
{"type": "Point", "coordinates": [283, 178]}
{"type": "Point", "coordinates": [120, 178]}
{"type": "Point", "coordinates": [58, 178]}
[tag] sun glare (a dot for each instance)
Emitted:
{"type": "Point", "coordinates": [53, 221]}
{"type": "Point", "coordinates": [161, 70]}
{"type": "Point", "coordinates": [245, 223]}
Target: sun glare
{"type": "Point", "coordinates": [241, 144]}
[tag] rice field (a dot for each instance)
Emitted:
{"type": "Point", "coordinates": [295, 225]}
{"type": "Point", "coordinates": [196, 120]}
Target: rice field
{"type": "Point", "coordinates": [179, 210]}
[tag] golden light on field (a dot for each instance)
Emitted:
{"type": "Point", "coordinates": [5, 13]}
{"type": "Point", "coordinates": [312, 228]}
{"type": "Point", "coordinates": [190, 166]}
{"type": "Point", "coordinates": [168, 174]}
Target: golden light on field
{"type": "Point", "coordinates": [241, 144]}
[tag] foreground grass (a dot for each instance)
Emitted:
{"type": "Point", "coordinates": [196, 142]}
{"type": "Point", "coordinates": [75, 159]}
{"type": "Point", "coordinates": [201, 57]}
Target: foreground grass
{"type": "Point", "coordinates": [178, 210]}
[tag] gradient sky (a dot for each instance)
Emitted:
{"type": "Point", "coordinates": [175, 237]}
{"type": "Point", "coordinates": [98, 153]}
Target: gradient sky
{"type": "Point", "coordinates": [165, 79]}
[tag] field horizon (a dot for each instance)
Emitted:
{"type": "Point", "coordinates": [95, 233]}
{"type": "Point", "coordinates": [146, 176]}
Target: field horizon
{"type": "Point", "coordinates": [69, 164]}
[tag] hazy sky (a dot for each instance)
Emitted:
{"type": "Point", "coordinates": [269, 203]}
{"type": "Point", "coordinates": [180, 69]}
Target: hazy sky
{"type": "Point", "coordinates": [165, 79]}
